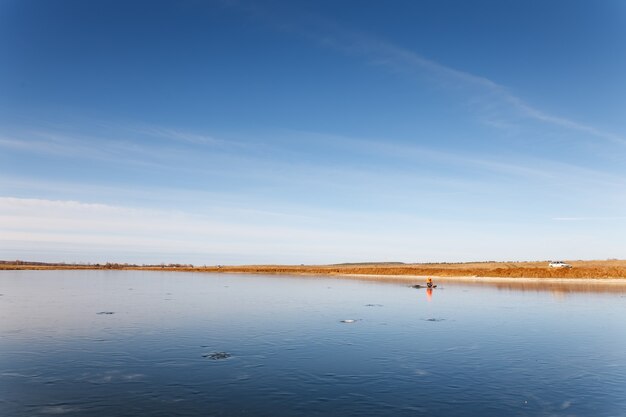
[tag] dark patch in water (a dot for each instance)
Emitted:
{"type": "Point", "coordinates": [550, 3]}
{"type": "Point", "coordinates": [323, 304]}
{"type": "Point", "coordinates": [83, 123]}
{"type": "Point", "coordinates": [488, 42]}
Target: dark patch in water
{"type": "Point", "coordinates": [373, 305]}
{"type": "Point", "coordinates": [106, 312]}
{"type": "Point", "coordinates": [216, 356]}
{"type": "Point", "coordinates": [434, 319]}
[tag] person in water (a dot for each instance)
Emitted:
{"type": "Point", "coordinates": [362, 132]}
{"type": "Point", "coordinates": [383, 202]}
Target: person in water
{"type": "Point", "coordinates": [429, 282]}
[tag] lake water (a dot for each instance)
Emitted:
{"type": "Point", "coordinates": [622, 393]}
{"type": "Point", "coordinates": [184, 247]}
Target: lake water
{"type": "Point", "coordinates": [460, 350]}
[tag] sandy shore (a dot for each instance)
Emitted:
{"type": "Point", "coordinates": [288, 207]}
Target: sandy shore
{"type": "Point", "coordinates": [557, 286]}
{"type": "Point", "coordinates": [478, 279]}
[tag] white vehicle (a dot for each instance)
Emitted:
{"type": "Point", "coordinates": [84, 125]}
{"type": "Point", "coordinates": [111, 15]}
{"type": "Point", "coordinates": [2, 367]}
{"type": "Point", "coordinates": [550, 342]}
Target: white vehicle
{"type": "Point", "coordinates": [559, 264]}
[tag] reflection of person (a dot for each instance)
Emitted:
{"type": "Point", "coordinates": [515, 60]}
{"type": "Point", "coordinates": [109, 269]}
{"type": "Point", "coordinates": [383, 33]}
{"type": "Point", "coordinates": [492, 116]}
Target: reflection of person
{"type": "Point", "coordinates": [429, 294]}
{"type": "Point", "coordinates": [429, 282]}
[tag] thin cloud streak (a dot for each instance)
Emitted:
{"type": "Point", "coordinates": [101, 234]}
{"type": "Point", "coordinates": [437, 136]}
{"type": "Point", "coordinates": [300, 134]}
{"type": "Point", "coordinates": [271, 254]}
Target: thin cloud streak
{"type": "Point", "coordinates": [580, 219]}
{"type": "Point", "coordinates": [529, 168]}
{"type": "Point", "coordinates": [400, 56]}
{"type": "Point", "coordinates": [269, 167]}
{"type": "Point", "coordinates": [55, 224]}
{"type": "Point", "coordinates": [35, 214]}
{"type": "Point", "coordinates": [76, 231]}
{"type": "Point", "coordinates": [181, 136]}
{"type": "Point", "coordinates": [330, 34]}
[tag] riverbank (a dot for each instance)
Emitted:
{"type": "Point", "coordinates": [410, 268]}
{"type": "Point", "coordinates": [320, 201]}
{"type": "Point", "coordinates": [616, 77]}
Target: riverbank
{"type": "Point", "coordinates": [609, 271]}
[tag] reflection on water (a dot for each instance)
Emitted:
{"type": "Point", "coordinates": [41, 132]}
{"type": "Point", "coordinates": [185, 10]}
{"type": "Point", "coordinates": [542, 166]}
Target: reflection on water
{"type": "Point", "coordinates": [562, 287]}
{"type": "Point", "coordinates": [200, 344]}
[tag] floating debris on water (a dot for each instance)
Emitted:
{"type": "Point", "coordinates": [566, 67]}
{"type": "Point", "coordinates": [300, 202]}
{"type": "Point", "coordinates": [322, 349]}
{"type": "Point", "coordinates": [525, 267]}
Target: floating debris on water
{"type": "Point", "coordinates": [348, 321]}
{"type": "Point", "coordinates": [106, 312]}
{"type": "Point", "coordinates": [216, 356]}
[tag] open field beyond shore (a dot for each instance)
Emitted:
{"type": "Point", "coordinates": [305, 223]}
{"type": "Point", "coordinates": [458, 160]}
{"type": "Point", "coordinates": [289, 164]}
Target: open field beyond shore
{"type": "Point", "coordinates": [609, 269]}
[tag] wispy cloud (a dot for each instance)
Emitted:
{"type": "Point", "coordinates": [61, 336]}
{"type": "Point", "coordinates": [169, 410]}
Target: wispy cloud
{"type": "Point", "coordinates": [391, 151]}
{"type": "Point", "coordinates": [102, 225]}
{"type": "Point", "coordinates": [330, 34]}
{"type": "Point", "coordinates": [91, 148]}
{"type": "Point", "coordinates": [64, 230]}
{"type": "Point", "coordinates": [563, 122]}
{"type": "Point", "coordinates": [407, 60]}
{"type": "Point", "coordinates": [39, 146]}
{"type": "Point", "coordinates": [386, 164]}
{"type": "Point", "coordinates": [178, 135]}
{"type": "Point", "coordinates": [117, 147]}
{"type": "Point", "coordinates": [582, 219]}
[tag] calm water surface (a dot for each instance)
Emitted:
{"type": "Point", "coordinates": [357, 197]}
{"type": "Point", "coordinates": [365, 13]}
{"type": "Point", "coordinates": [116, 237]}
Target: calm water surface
{"type": "Point", "coordinates": [462, 350]}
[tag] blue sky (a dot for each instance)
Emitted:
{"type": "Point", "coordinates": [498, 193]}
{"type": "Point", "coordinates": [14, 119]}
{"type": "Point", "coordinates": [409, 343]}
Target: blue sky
{"type": "Point", "coordinates": [312, 132]}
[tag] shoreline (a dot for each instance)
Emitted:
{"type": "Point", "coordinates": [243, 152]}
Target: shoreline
{"type": "Point", "coordinates": [380, 273]}
{"type": "Point", "coordinates": [559, 287]}
{"type": "Point", "coordinates": [479, 279]}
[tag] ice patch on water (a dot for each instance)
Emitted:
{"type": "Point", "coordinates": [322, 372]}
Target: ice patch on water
{"type": "Point", "coordinates": [111, 376]}
{"type": "Point", "coordinates": [58, 409]}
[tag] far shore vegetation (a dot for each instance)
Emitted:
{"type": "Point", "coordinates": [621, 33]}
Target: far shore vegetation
{"type": "Point", "coordinates": [596, 269]}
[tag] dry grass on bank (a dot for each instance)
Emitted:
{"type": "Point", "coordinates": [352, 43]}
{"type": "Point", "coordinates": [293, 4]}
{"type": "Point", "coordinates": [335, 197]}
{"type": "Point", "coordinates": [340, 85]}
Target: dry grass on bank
{"type": "Point", "coordinates": [588, 269]}
{"type": "Point", "coordinates": [581, 269]}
